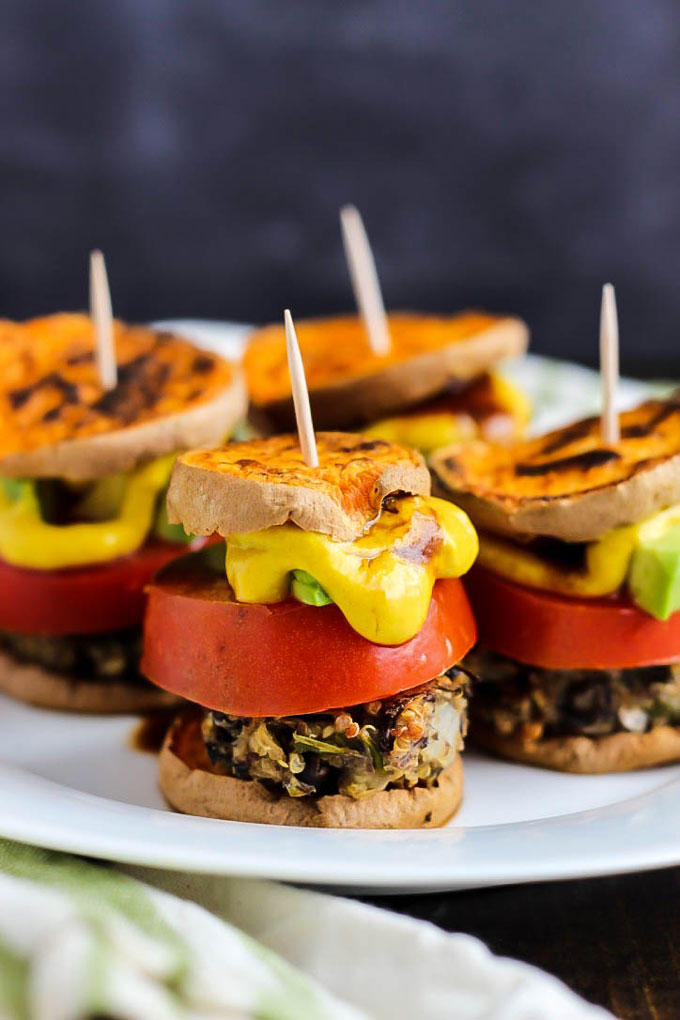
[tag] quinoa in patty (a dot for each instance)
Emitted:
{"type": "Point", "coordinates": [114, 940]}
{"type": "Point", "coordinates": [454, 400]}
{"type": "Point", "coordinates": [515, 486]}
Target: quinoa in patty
{"type": "Point", "coordinates": [532, 703]}
{"type": "Point", "coordinates": [402, 741]}
{"type": "Point", "coordinates": [110, 656]}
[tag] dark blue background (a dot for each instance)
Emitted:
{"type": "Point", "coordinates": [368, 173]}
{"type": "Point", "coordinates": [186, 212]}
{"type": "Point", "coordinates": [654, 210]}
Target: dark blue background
{"type": "Point", "coordinates": [509, 154]}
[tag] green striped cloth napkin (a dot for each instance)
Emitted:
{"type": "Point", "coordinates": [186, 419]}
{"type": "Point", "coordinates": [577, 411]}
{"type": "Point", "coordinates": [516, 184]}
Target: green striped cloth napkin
{"type": "Point", "coordinates": [81, 940]}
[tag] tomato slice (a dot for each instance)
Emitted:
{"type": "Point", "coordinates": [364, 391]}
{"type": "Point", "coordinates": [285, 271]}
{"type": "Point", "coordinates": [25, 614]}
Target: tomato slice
{"type": "Point", "coordinates": [85, 600]}
{"type": "Point", "coordinates": [287, 658]}
{"type": "Point", "coordinates": [557, 632]}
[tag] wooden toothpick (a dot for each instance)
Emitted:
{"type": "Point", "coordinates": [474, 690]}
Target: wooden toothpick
{"type": "Point", "coordinates": [609, 365]}
{"type": "Point", "coordinates": [102, 317]}
{"type": "Point", "coordinates": [303, 413]}
{"type": "Point", "coordinates": [365, 281]}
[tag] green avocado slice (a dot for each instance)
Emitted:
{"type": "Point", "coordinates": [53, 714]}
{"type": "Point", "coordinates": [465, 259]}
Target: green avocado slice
{"type": "Point", "coordinates": [307, 589]}
{"type": "Point", "coordinates": [654, 574]}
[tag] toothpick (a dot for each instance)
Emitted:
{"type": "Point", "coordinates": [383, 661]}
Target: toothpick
{"type": "Point", "coordinates": [365, 281]}
{"type": "Point", "coordinates": [303, 413]}
{"type": "Point", "coordinates": [609, 365]}
{"type": "Point", "coordinates": [102, 317]}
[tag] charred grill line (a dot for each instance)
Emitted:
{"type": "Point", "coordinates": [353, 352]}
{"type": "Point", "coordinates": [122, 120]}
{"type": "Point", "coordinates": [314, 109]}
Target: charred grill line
{"type": "Point", "coordinates": [368, 444]}
{"type": "Point", "coordinates": [581, 461]}
{"type": "Point", "coordinates": [140, 386]}
{"type": "Point", "coordinates": [644, 430]}
{"type": "Point", "coordinates": [570, 434]}
{"type": "Point", "coordinates": [68, 391]}
{"type": "Point", "coordinates": [83, 358]}
{"type": "Point", "coordinates": [203, 363]}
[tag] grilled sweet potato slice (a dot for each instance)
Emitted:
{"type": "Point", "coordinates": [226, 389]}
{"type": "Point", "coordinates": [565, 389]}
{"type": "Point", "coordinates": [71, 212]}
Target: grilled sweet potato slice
{"type": "Point", "coordinates": [58, 421]}
{"type": "Point", "coordinates": [252, 485]}
{"type": "Point", "coordinates": [567, 484]}
{"type": "Point", "coordinates": [349, 385]}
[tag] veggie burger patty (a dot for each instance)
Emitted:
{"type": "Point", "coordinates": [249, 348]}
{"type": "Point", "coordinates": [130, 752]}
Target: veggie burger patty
{"type": "Point", "coordinates": [398, 742]}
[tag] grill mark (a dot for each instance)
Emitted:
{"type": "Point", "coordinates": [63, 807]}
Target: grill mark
{"type": "Point", "coordinates": [17, 398]}
{"type": "Point", "coordinates": [152, 389]}
{"type": "Point", "coordinates": [368, 444]}
{"type": "Point", "coordinates": [80, 359]}
{"type": "Point", "coordinates": [643, 430]}
{"type": "Point", "coordinates": [568, 435]}
{"type": "Point", "coordinates": [69, 391]}
{"type": "Point", "coordinates": [140, 384]}
{"type": "Point", "coordinates": [131, 369]}
{"type": "Point", "coordinates": [203, 363]}
{"type": "Point", "coordinates": [635, 431]}
{"type": "Point", "coordinates": [583, 461]}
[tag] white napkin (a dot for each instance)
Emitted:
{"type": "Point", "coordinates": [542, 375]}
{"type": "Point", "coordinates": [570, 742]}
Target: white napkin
{"type": "Point", "coordinates": [80, 939]}
{"type": "Point", "coordinates": [385, 964]}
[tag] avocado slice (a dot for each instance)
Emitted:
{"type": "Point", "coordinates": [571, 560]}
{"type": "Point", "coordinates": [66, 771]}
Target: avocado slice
{"type": "Point", "coordinates": [654, 574]}
{"type": "Point", "coordinates": [307, 589]}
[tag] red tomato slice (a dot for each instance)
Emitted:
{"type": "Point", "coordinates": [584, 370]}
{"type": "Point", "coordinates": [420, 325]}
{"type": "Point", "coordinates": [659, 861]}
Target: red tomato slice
{"type": "Point", "coordinates": [85, 600]}
{"type": "Point", "coordinates": [544, 629]}
{"type": "Point", "coordinates": [287, 658]}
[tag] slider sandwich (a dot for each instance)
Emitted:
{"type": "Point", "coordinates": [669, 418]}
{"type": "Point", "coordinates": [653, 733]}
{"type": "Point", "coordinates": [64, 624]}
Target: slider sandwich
{"type": "Point", "coordinates": [83, 474]}
{"type": "Point", "coordinates": [576, 591]}
{"type": "Point", "coordinates": [435, 385]}
{"type": "Point", "coordinates": [321, 647]}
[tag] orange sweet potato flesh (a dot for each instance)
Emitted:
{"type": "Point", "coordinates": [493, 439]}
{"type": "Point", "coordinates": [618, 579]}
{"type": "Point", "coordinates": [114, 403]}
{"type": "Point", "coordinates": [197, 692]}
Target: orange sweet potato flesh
{"type": "Point", "coordinates": [573, 459]}
{"type": "Point", "coordinates": [50, 391]}
{"type": "Point", "coordinates": [337, 348]}
{"type": "Point", "coordinates": [247, 486]}
{"type": "Point", "coordinates": [569, 484]}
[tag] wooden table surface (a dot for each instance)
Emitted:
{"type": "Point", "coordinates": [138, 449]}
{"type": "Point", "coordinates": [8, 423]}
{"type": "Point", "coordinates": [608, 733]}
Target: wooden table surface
{"type": "Point", "coordinates": [615, 941]}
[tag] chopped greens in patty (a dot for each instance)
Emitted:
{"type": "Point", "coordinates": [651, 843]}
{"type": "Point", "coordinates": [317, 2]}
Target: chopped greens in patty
{"type": "Point", "coordinates": [402, 741]}
{"type": "Point", "coordinates": [112, 656]}
{"type": "Point", "coordinates": [532, 703]}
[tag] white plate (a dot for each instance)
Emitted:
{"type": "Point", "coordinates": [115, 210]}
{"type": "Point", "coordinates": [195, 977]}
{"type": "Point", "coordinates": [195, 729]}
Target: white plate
{"type": "Point", "coordinates": [74, 783]}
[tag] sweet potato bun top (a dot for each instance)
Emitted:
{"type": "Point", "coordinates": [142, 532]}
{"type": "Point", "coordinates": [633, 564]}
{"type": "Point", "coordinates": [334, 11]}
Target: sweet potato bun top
{"type": "Point", "coordinates": [567, 484]}
{"type": "Point", "coordinates": [58, 421]}
{"type": "Point", "coordinates": [252, 485]}
{"type": "Point", "coordinates": [349, 384]}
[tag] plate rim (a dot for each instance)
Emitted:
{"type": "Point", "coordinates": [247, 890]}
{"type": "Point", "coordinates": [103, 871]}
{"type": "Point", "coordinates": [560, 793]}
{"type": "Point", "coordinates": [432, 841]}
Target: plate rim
{"type": "Point", "coordinates": [376, 864]}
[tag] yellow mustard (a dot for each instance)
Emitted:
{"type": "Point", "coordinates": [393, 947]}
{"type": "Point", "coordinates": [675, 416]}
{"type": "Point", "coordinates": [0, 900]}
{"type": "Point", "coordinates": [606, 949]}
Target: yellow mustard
{"type": "Point", "coordinates": [433, 430]}
{"type": "Point", "coordinates": [606, 565]}
{"type": "Point", "coordinates": [382, 582]}
{"type": "Point", "coordinates": [425, 432]}
{"type": "Point", "coordinates": [26, 540]}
